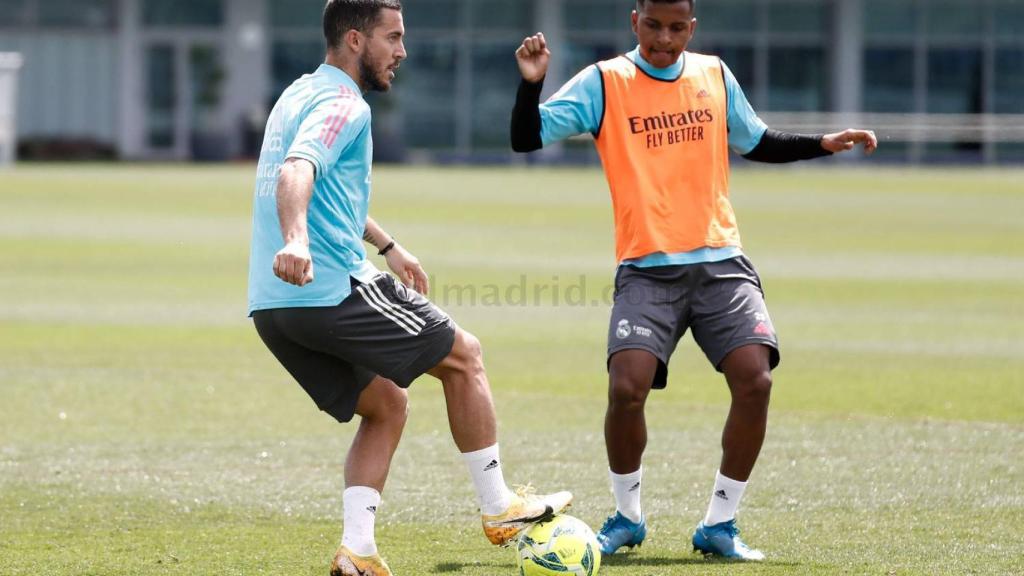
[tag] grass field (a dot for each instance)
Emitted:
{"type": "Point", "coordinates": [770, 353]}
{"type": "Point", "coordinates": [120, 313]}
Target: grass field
{"type": "Point", "coordinates": [145, 430]}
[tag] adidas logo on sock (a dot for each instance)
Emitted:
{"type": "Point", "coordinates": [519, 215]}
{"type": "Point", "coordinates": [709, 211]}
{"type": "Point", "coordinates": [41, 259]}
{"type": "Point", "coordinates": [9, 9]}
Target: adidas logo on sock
{"type": "Point", "coordinates": [635, 487]}
{"type": "Point", "coordinates": [371, 509]}
{"type": "Point", "coordinates": [494, 464]}
{"type": "Point", "coordinates": [721, 494]}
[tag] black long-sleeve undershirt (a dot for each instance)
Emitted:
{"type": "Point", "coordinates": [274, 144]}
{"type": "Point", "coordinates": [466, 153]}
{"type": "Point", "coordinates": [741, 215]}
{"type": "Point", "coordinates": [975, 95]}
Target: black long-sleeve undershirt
{"type": "Point", "coordinates": [775, 147]}
{"type": "Point", "coordinates": [780, 147]}
{"type": "Point", "coordinates": [526, 125]}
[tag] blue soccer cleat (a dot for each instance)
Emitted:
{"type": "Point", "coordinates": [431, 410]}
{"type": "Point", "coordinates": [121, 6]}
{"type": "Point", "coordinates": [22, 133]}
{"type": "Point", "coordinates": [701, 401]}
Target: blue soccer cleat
{"type": "Point", "coordinates": [619, 531]}
{"type": "Point", "coordinates": [723, 540]}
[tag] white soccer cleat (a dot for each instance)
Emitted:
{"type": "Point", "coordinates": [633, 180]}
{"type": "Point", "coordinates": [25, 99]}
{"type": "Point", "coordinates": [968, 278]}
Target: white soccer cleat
{"type": "Point", "coordinates": [526, 509]}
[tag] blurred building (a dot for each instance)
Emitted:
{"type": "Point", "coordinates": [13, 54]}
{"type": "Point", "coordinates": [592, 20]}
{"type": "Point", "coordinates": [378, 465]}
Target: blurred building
{"type": "Point", "coordinates": [184, 79]}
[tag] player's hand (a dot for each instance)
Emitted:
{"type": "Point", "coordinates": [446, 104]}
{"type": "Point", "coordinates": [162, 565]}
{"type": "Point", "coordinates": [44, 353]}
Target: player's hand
{"type": "Point", "coordinates": [408, 269]}
{"type": "Point", "coordinates": [293, 264]}
{"type": "Point", "coordinates": [533, 58]}
{"type": "Point", "coordinates": [848, 140]}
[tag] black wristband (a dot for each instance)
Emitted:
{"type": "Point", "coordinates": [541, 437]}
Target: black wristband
{"type": "Point", "coordinates": [384, 251]}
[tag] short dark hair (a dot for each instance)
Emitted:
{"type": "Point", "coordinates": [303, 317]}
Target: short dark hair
{"type": "Point", "coordinates": [340, 16]}
{"type": "Point", "coordinates": [693, 3]}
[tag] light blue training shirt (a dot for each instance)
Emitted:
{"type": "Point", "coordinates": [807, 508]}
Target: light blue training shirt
{"type": "Point", "coordinates": [578, 107]}
{"type": "Point", "coordinates": [321, 118]}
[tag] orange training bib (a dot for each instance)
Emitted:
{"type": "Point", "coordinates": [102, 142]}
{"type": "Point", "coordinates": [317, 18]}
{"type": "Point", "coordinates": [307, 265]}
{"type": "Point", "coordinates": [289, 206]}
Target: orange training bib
{"type": "Point", "coordinates": [665, 149]}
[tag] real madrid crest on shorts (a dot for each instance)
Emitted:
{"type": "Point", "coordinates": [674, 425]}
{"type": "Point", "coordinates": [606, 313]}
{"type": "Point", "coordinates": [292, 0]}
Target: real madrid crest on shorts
{"type": "Point", "coordinates": [623, 331]}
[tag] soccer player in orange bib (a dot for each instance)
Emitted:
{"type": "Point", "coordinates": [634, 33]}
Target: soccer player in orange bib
{"type": "Point", "coordinates": [663, 120]}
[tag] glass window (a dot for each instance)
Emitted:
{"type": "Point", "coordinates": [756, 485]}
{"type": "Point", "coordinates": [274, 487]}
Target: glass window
{"type": "Point", "coordinates": [580, 54]}
{"type": "Point", "coordinates": [740, 60]}
{"type": "Point", "coordinates": [183, 13]}
{"type": "Point", "coordinates": [727, 16]}
{"type": "Point", "coordinates": [1009, 84]}
{"type": "Point", "coordinates": [13, 12]}
{"type": "Point", "coordinates": [429, 73]}
{"type": "Point", "coordinates": [207, 83]}
{"type": "Point", "coordinates": [796, 16]}
{"type": "Point", "coordinates": [797, 79]}
{"type": "Point", "coordinates": [601, 15]}
{"type": "Point", "coordinates": [431, 14]}
{"type": "Point", "coordinates": [1010, 153]}
{"type": "Point", "coordinates": [883, 18]}
{"type": "Point", "coordinates": [161, 97]}
{"type": "Point", "coordinates": [954, 81]}
{"type": "Point", "coordinates": [889, 80]}
{"type": "Point", "coordinates": [953, 152]}
{"type": "Point", "coordinates": [503, 14]}
{"type": "Point", "coordinates": [1009, 18]}
{"type": "Point", "coordinates": [954, 87]}
{"type": "Point", "coordinates": [429, 127]}
{"type": "Point", "coordinates": [297, 14]}
{"type": "Point", "coordinates": [495, 77]}
{"type": "Point", "coordinates": [425, 90]}
{"type": "Point", "coordinates": [289, 60]}
{"type": "Point", "coordinates": [77, 13]}
{"type": "Point", "coordinates": [955, 18]}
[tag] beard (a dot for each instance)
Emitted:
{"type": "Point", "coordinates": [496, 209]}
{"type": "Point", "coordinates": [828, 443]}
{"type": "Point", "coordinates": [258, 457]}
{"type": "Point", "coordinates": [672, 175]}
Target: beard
{"type": "Point", "coordinates": [370, 77]}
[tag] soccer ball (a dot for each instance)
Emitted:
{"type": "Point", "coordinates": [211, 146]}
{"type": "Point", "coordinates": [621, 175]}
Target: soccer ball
{"type": "Point", "coordinates": [562, 547]}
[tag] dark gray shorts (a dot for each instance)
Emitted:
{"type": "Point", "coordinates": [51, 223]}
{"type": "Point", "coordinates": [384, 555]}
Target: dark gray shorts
{"type": "Point", "coordinates": [334, 352]}
{"type": "Point", "coordinates": [722, 302]}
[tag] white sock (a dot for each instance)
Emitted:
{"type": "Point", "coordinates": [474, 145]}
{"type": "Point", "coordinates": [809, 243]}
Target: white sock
{"type": "Point", "coordinates": [360, 504]}
{"type": "Point", "coordinates": [491, 491]}
{"type": "Point", "coordinates": [725, 500]}
{"type": "Point", "coordinates": [626, 488]}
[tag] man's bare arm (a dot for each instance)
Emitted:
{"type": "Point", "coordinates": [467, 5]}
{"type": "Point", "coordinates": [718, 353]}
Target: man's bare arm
{"type": "Point", "coordinates": [376, 235]}
{"type": "Point", "coordinates": [293, 263]}
{"type": "Point", "coordinates": [406, 266]}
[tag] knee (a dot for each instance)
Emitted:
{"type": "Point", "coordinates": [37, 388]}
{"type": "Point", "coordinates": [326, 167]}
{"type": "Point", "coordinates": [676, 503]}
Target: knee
{"type": "Point", "coordinates": [398, 410]}
{"type": "Point", "coordinates": [754, 388]}
{"type": "Point", "coordinates": [467, 356]}
{"type": "Point", "coordinates": [471, 348]}
{"type": "Point", "coordinates": [392, 408]}
{"type": "Point", "coordinates": [627, 392]}
{"type": "Point", "coordinates": [401, 408]}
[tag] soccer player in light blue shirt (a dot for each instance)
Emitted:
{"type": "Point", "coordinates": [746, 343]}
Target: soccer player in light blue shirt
{"type": "Point", "coordinates": [352, 337]}
{"type": "Point", "coordinates": [323, 121]}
